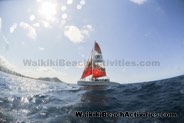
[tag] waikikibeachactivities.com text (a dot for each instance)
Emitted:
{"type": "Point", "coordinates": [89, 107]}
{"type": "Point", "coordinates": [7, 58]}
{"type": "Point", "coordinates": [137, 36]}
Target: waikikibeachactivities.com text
{"type": "Point", "coordinates": [116, 62]}
{"type": "Point", "coordinates": [125, 114]}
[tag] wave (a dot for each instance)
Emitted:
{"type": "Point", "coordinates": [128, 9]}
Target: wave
{"type": "Point", "coordinates": [26, 100]}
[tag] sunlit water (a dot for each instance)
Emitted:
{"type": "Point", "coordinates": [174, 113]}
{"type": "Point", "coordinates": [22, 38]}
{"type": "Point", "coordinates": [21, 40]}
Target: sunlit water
{"type": "Point", "coordinates": [27, 100]}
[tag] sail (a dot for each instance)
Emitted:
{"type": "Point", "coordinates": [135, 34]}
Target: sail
{"type": "Point", "coordinates": [98, 64]}
{"type": "Point", "coordinates": [88, 68]}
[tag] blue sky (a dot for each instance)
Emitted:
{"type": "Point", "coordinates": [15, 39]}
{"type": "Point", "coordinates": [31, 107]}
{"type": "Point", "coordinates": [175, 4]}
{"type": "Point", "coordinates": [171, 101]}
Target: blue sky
{"type": "Point", "coordinates": [132, 30]}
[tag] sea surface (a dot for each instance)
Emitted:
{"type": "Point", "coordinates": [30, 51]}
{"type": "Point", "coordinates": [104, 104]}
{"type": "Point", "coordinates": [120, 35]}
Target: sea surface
{"type": "Point", "coordinates": [25, 100]}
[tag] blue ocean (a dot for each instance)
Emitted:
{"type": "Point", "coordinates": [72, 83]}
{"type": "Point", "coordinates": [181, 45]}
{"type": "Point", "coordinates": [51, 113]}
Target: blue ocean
{"type": "Point", "coordinates": [24, 100]}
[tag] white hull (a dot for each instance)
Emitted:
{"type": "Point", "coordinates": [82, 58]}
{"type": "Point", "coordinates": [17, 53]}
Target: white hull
{"type": "Point", "coordinates": [86, 83]}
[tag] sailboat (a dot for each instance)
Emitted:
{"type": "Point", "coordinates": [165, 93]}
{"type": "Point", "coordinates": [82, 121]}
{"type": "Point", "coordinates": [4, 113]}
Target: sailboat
{"type": "Point", "coordinates": [95, 70]}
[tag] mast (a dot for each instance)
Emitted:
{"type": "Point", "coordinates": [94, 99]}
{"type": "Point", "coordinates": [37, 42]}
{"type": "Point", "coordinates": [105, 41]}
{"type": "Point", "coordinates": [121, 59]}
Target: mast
{"type": "Point", "coordinates": [93, 58]}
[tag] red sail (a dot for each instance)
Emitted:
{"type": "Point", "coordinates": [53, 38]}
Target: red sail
{"type": "Point", "coordinates": [97, 48]}
{"type": "Point", "coordinates": [98, 65]}
{"type": "Point", "coordinates": [98, 73]}
{"type": "Point", "coordinates": [87, 69]}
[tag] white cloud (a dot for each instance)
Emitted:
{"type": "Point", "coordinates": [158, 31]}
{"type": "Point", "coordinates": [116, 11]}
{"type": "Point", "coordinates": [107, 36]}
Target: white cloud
{"type": "Point", "coordinates": [30, 31]}
{"type": "Point", "coordinates": [41, 48]}
{"type": "Point", "coordinates": [82, 2]}
{"type": "Point", "coordinates": [79, 6]}
{"type": "Point", "coordinates": [32, 18]}
{"type": "Point", "coordinates": [89, 27]}
{"type": "Point", "coordinates": [46, 24]}
{"type": "Point", "coordinates": [69, 2]}
{"type": "Point", "coordinates": [49, 72]}
{"type": "Point", "coordinates": [64, 16]}
{"type": "Point", "coordinates": [45, 69]}
{"type": "Point", "coordinates": [36, 24]}
{"type": "Point", "coordinates": [13, 28]}
{"type": "Point", "coordinates": [139, 2]}
{"type": "Point", "coordinates": [5, 63]}
{"type": "Point", "coordinates": [0, 23]}
{"type": "Point", "coordinates": [76, 35]}
{"type": "Point", "coordinates": [63, 8]}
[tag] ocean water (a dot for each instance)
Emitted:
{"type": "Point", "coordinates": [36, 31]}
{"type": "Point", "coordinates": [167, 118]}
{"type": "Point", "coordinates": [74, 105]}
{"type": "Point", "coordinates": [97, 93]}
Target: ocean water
{"type": "Point", "coordinates": [30, 101]}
